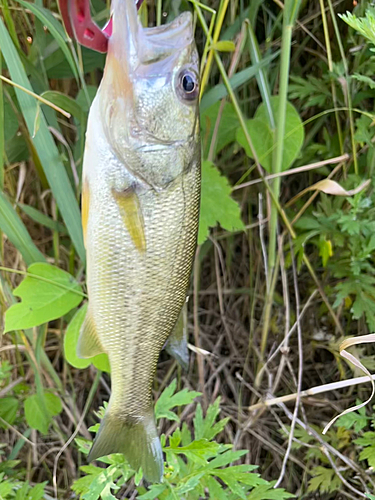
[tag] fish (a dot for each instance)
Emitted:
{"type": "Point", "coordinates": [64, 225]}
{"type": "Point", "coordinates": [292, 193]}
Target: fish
{"type": "Point", "coordinates": [140, 214]}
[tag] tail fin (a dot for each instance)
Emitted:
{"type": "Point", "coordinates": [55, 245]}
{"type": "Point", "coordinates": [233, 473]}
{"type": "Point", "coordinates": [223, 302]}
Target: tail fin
{"type": "Point", "coordinates": [137, 440]}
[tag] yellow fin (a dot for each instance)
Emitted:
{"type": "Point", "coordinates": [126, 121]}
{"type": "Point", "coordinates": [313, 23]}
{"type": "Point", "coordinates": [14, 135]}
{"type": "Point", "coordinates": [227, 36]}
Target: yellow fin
{"type": "Point", "coordinates": [131, 214]}
{"type": "Point", "coordinates": [88, 344]}
{"type": "Point", "coordinates": [85, 207]}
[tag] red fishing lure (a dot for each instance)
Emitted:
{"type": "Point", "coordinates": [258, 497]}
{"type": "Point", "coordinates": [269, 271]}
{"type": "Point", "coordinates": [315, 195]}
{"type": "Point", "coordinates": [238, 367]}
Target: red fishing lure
{"type": "Point", "coordinates": [80, 26]}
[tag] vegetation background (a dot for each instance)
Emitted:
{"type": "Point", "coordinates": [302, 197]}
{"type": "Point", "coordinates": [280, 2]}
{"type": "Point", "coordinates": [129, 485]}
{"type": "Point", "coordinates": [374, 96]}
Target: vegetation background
{"type": "Point", "coordinates": [284, 271]}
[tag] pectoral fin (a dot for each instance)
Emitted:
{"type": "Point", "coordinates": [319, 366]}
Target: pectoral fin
{"type": "Point", "coordinates": [177, 345]}
{"type": "Point", "coordinates": [88, 344]}
{"type": "Point", "coordinates": [131, 213]}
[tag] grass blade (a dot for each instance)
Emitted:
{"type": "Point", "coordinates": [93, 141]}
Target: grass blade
{"type": "Point", "coordinates": [219, 91]}
{"type": "Point", "coordinates": [44, 145]}
{"type": "Point", "coordinates": [2, 131]}
{"type": "Point", "coordinates": [17, 233]}
{"type": "Point", "coordinates": [42, 219]}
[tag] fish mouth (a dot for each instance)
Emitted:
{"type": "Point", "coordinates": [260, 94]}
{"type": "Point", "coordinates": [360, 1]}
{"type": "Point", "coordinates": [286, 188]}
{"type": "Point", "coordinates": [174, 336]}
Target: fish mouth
{"type": "Point", "coordinates": [134, 45]}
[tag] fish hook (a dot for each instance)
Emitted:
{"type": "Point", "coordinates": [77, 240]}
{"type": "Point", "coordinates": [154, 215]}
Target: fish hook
{"type": "Point", "coordinates": [79, 25]}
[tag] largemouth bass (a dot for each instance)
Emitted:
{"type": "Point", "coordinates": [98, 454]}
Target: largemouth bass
{"type": "Point", "coordinates": [140, 209]}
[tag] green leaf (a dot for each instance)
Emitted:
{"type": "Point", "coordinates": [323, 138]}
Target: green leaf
{"type": "Point", "coordinates": [205, 427]}
{"type": "Point", "coordinates": [369, 455]}
{"type": "Point", "coordinates": [81, 99]}
{"type": "Point", "coordinates": [267, 492]}
{"type": "Point", "coordinates": [56, 29]}
{"type": "Point", "coordinates": [66, 103]}
{"type": "Point", "coordinates": [365, 79]}
{"type": "Point", "coordinates": [47, 295]}
{"type": "Point", "coordinates": [45, 145]}
{"type": "Point", "coordinates": [42, 219]}
{"type": "Point", "coordinates": [356, 419]}
{"type": "Point", "coordinates": [53, 403]}
{"type": "Point", "coordinates": [263, 138]}
{"type": "Point", "coordinates": [228, 457]}
{"type": "Point", "coordinates": [11, 121]}
{"type": "Point", "coordinates": [34, 414]}
{"type": "Point", "coordinates": [168, 400]}
{"type": "Point", "coordinates": [154, 492]}
{"type": "Point", "coordinates": [8, 410]}
{"type": "Point", "coordinates": [324, 480]}
{"type": "Point", "coordinates": [70, 345]}
{"type": "Point", "coordinates": [364, 25]}
{"type": "Point", "coordinates": [325, 250]}
{"type": "Point", "coordinates": [224, 46]}
{"type": "Point", "coordinates": [102, 484]}
{"type": "Point", "coordinates": [364, 129]}
{"type": "Point", "coordinates": [216, 93]}
{"type": "Point", "coordinates": [37, 492]}
{"type": "Point", "coordinates": [226, 132]}
{"type": "Point", "coordinates": [215, 489]}
{"type": "Point", "coordinates": [198, 451]}
{"type": "Point", "coordinates": [13, 227]}
{"type": "Point", "coordinates": [217, 205]}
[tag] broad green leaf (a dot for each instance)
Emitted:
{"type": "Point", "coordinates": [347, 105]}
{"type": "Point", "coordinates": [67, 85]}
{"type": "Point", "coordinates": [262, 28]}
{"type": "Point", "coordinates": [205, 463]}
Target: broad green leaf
{"type": "Point", "coordinates": [66, 103]}
{"type": "Point", "coordinates": [55, 28]}
{"type": "Point", "coordinates": [81, 98]}
{"type": "Point", "coordinates": [53, 403]}
{"type": "Point", "coordinates": [34, 414]}
{"type": "Point", "coordinates": [46, 295]}
{"type": "Point", "coordinates": [169, 400]}
{"type": "Point", "coordinates": [11, 121]}
{"type": "Point", "coordinates": [8, 410]}
{"type": "Point", "coordinates": [16, 149]}
{"type": "Point", "coordinates": [263, 138]}
{"type": "Point", "coordinates": [217, 205]}
{"type": "Point", "coordinates": [227, 127]}
{"type": "Point", "coordinates": [45, 145]}
{"type": "Point", "coordinates": [13, 227]}
{"type": "Point", "coordinates": [70, 345]}
{"type": "Point", "coordinates": [58, 67]}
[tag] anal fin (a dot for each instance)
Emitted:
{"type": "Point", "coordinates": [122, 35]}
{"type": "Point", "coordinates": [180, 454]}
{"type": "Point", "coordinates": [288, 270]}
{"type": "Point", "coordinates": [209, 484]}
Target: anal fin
{"type": "Point", "coordinates": [89, 344]}
{"type": "Point", "coordinates": [177, 345]}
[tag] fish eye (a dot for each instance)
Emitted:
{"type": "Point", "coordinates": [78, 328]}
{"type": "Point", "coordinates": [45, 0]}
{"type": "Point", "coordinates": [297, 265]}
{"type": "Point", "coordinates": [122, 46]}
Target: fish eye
{"type": "Point", "coordinates": [188, 85]}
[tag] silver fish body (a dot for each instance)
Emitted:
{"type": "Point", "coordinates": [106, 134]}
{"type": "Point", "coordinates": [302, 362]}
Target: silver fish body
{"type": "Point", "coordinates": [140, 210]}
